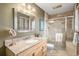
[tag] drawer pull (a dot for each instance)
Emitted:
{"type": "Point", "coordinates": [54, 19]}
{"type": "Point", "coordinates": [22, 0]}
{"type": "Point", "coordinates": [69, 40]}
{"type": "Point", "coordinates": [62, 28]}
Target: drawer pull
{"type": "Point", "coordinates": [33, 54]}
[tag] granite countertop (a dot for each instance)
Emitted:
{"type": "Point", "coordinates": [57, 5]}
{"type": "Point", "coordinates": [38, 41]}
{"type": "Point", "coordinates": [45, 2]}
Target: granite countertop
{"type": "Point", "coordinates": [21, 45]}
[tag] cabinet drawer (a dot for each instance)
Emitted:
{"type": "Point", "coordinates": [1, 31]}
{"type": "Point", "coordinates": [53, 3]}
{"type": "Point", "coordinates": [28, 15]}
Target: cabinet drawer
{"type": "Point", "coordinates": [38, 53]}
{"type": "Point", "coordinates": [27, 52]}
{"type": "Point", "coordinates": [45, 53]}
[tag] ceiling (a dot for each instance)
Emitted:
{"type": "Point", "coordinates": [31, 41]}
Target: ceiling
{"type": "Point", "coordinates": [51, 8]}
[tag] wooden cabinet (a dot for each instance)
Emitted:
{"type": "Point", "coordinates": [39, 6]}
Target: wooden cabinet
{"type": "Point", "coordinates": [40, 49]}
{"type": "Point", "coordinates": [27, 52]}
{"type": "Point", "coordinates": [38, 52]}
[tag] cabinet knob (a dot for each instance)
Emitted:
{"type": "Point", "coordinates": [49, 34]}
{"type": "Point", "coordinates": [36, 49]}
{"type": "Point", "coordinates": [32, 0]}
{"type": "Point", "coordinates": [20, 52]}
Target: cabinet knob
{"type": "Point", "coordinates": [33, 54]}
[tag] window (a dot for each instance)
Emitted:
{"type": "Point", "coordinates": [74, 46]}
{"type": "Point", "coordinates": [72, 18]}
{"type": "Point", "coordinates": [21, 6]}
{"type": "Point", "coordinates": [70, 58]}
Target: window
{"type": "Point", "coordinates": [41, 24]}
{"type": "Point", "coordinates": [33, 24]}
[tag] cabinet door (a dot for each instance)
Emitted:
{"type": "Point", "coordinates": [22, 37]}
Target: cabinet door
{"type": "Point", "coordinates": [38, 52]}
{"type": "Point", "coordinates": [27, 52]}
{"type": "Point", "coordinates": [44, 50]}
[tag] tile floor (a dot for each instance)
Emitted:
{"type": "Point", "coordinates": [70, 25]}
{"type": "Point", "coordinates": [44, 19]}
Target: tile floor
{"type": "Point", "coordinates": [55, 52]}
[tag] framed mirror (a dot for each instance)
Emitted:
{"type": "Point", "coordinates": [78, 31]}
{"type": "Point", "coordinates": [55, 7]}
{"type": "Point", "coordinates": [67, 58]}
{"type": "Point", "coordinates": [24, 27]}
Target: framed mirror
{"type": "Point", "coordinates": [23, 22]}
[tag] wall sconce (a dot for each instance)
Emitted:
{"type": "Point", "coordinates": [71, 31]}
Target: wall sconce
{"type": "Point", "coordinates": [26, 8]}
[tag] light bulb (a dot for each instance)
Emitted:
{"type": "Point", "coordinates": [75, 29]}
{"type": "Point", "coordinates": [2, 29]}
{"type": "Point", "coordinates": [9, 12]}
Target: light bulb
{"type": "Point", "coordinates": [29, 7]}
{"type": "Point", "coordinates": [33, 9]}
{"type": "Point", "coordinates": [23, 4]}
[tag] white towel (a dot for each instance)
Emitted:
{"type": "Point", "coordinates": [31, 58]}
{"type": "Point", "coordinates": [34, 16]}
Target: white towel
{"type": "Point", "coordinates": [59, 37]}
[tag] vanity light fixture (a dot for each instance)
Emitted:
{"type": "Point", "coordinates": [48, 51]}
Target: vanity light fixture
{"type": "Point", "coordinates": [31, 8]}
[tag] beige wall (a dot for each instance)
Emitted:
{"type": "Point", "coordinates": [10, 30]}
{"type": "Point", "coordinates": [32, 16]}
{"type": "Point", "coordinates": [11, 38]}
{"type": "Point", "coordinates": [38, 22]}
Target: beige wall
{"type": "Point", "coordinates": [6, 17]}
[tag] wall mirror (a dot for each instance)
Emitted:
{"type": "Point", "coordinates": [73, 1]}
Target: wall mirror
{"type": "Point", "coordinates": [23, 22]}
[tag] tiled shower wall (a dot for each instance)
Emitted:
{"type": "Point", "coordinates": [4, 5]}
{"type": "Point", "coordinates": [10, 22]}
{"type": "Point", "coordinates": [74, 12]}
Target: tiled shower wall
{"type": "Point", "coordinates": [59, 26]}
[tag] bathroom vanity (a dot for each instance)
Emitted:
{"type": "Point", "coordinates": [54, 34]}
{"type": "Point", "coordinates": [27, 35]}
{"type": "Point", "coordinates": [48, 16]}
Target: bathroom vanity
{"type": "Point", "coordinates": [28, 47]}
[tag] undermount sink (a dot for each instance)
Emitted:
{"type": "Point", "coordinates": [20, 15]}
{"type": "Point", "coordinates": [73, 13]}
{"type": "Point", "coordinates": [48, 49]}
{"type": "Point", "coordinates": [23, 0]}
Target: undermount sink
{"type": "Point", "coordinates": [24, 43]}
{"type": "Point", "coordinates": [31, 41]}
